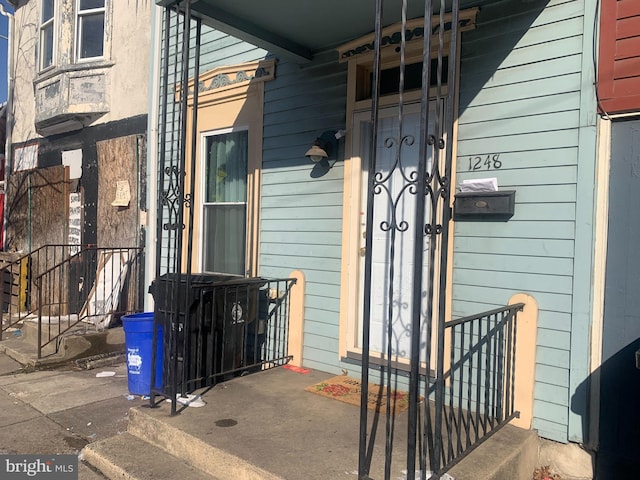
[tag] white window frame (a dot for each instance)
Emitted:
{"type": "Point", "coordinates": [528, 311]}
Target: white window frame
{"type": "Point", "coordinates": [203, 203]}
{"type": "Point", "coordinates": [44, 25]}
{"type": "Point", "coordinates": [78, 30]}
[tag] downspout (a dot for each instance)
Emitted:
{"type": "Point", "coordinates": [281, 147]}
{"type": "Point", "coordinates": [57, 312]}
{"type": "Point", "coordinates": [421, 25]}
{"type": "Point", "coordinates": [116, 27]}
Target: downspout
{"type": "Point", "coordinates": [9, 123]}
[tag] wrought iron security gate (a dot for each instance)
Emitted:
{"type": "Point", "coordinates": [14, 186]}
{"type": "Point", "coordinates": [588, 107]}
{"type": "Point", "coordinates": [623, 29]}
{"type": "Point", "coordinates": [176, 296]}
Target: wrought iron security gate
{"type": "Point", "coordinates": [465, 367]}
{"type": "Point", "coordinates": [430, 185]}
{"type": "Point", "coordinates": [207, 326]}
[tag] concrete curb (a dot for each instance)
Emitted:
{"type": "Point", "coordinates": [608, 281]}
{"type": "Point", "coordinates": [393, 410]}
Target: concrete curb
{"type": "Point", "coordinates": [212, 460]}
{"type": "Point", "coordinates": [127, 457]}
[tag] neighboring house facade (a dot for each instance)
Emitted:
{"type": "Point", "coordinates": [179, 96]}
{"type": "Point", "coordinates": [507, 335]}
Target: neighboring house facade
{"type": "Point", "coordinates": [525, 111]}
{"type": "Point", "coordinates": [615, 367]}
{"type": "Point", "coordinates": [78, 123]}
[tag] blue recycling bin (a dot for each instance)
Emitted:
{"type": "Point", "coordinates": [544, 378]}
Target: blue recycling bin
{"type": "Point", "coordinates": [138, 334]}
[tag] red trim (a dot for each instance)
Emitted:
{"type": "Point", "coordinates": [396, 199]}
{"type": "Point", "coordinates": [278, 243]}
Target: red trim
{"type": "Point", "coordinates": [621, 105]}
{"type": "Point", "coordinates": [607, 48]}
{"type": "Point", "coordinates": [627, 48]}
{"type": "Point", "coordinates": [619, 56]}
{"type": "Point", "coordinates": [628, 8]}
{"type": "Point", "coordinates": [628, 27]}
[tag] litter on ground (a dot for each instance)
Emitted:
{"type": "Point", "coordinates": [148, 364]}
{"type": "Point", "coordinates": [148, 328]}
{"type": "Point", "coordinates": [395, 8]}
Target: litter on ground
{"type": "Point", "coordinates": [190, 400]}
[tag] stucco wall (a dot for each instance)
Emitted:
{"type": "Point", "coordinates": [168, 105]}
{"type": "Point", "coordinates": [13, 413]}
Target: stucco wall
{"type": "Point", "coordinates": [125, 66]}
{"type": "Point", "coordinates": [24, 71]}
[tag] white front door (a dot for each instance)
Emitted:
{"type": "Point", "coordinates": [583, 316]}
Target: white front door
{"type": "Point", "coordinates": [393, 229]}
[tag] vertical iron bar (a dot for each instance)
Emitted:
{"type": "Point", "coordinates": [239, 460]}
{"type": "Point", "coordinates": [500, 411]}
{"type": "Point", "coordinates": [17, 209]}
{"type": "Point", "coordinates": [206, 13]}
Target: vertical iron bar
{"type": "Point", "coordinates": [184, 97]}
{"type": "Point", "coordinates": [508, 366]}
{"type": "Point", "coordinates": [40, 319]}
{"type": "Point", "coordinates": [496, 360]}
{"type": "Point", "coordinates": [478, 380]}
{"type": "Point", "coordinates": [501, 382]}
{"type": "Point", "coordinates": [416, 332]}
{"type": "Point", "coordinates": [363, 468]}
{"type": "Point", "coordinates": [166, 200]}
{"type": "Point", "coordinates": [450, 427]}
{"type": "Point", "coordinates": [164, 85]}
{"type": "Point", "coordinates": [489, 372]}
{"type": "Point", "coordinates": [438, 190]}
{"type": "Point", "coordinates": [189, 197]}
{"type": "Point", "coordinates": [460, 391]}
{"type": "Point", "coordinates": [513, 367]}
{"type": "Point", "coordinates": [391, 274]}
{"type": "Point", "coordinates": [272, 326]}
{"type": "Point", "coordinates": [445, 192]}
{"type": "Point", "coordinates": [487, 376]}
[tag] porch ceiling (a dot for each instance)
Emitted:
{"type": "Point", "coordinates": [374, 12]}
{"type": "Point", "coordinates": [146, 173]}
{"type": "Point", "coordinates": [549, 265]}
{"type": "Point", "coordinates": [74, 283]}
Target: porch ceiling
{"type": "Point", "coordinates": [298, 29]}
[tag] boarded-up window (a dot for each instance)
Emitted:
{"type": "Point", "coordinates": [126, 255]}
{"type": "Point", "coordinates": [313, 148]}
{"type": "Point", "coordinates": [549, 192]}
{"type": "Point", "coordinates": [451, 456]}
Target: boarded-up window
{"type": "Point", "coordinates": [36, 208]}
{"type": "Point", "coordinates": [119, 163]}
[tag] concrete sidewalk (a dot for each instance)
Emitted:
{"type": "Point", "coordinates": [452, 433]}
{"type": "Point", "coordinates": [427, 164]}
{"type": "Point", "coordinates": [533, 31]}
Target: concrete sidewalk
{"type": "Point", "coordinates": [61, 411]}
{"type": "Point", "coordinates": [262, 426]}
{"type": "Point", "coordinates": [266, 426]}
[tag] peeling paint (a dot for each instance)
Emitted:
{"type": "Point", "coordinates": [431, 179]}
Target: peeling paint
{"type": "Point", "coordinates": [80, 93]}
{"type": "Point", "coordinates": [87, 89]}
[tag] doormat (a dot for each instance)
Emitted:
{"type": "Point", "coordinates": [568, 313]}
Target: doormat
{"type": "Point", "coordinates": [348, 390]}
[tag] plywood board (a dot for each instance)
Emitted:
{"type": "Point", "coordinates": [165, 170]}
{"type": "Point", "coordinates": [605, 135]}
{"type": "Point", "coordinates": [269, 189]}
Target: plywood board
{"type": "Point", "coordinates": [36, 208]}
{"type": "Point", "coordinates": [118, 166]}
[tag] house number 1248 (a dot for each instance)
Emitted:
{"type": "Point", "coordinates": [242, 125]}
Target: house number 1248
{"type": "Point", "coordinates": [489, 162]}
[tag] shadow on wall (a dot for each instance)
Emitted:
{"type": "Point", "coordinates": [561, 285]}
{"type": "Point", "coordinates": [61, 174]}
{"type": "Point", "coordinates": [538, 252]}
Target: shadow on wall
{"type": "Point", "coordinates": [617, 443]}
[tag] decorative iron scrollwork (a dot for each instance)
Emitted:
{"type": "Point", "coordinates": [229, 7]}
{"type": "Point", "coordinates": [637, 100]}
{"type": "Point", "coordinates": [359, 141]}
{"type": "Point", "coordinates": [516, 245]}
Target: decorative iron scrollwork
{"type": "Point", "coordinates": [173, 200]}
{"type": "Point", "coordinates": [381, 181]}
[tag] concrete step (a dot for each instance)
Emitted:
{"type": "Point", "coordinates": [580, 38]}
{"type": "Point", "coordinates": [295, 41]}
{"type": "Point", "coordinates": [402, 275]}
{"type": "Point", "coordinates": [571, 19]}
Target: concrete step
{"type": "Point", "coordinates": [179, 443]}
{"type": "Point", "coordinates": [281, 431]}
{"type": "Point", "coordinates": [509, 454]}
{"type": "Point", "coordinates": [81, 342]}
{"type": "Point", "coordinates": [126, 457]}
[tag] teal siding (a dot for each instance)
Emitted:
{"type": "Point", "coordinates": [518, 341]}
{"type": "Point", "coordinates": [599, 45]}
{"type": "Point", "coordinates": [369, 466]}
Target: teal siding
{"type": "Point", "coordinates": [217, 49]}
{"type": "Point", "coordinates": [301, 216]}
{"type": "Point", "coordinates": [521, 98]}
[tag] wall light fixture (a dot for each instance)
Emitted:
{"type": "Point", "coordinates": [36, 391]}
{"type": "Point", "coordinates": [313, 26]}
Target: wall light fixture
{"type": "Point", "coordinates": [325, 147]}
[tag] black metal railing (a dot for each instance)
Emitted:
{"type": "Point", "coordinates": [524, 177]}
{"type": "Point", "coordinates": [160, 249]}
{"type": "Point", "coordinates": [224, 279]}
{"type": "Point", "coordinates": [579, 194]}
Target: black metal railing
{"type": "Point", "coordinates": [475, 396]}
{"type": "Point", "coordinates": [19, 297]}
{"type": "Point", "coordinates": [227, 326]}
{"type": "Point", "coordinates": [94, 285]}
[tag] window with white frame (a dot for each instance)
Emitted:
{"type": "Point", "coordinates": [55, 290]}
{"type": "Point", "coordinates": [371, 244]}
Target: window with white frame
{"type": "Point", "coordinates": [47, 33]}
{"type": "Point", "coordinates": [90, 17]}
{"type": "Point", "coordinates": [225, 201]}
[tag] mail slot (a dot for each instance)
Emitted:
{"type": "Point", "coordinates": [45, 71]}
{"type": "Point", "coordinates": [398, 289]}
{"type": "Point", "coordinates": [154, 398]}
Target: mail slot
{"type": "Point", "coordinates": [491, 205]}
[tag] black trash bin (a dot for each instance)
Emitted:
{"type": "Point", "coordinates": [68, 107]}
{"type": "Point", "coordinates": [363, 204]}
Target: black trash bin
{"type": "Point", "coordinates": [217, 335]}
